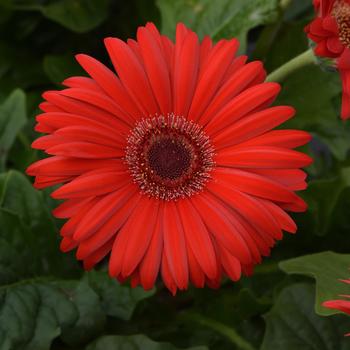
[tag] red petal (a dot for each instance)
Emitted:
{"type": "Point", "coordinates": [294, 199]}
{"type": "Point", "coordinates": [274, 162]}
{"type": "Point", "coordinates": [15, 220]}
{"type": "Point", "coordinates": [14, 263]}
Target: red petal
{"type": "Point", "coordinates": [104, 209]}
{"type": "Point", "coordinates": [60, 166]}
{"type": "Point", "coordinates": [108, 231]}
{"type": "Point", "coordinates": [132, 75]}
{"type": "Point", "coordinates": [246, 102]}
{"type": "Point", "coordinates": [98, 255]}
{"type": "Point", "coordinates": [175, 245]}
{"type": "Point", "coordinates": [254, 184]}
{"type": "Point", "coordinates": [247, 206]}
{"type": "Point", "coordinates": [262, 157]}
{"type": "Point", "coordinates": [85, 150]}
{"type": "Point", "coordinates": [156, 68]}
{"type": "Point", "coordinates": [134, 238]}
{"type": "Point", "coordinates": [197, 237]}
{"type": "Point", "coordinates": [280, 138]}
{"type": "Point", "coordinates": [253, 125]}
{"type": "Point", "coordinates": [69, 208]}
{"type": "Point", "coordinates": [186, 67]}
{"type": "Point", "coordinates": [110, 83]}
{"type": "Point", "coordinates": [238, 81]}
{"type": "Point", "coordinates": [150, 264]}
{"type": "Point", "coordinates": [91, 185]}
{"type": "Point", "coordinates": [221, 228]}
{"type": "Point", "coordinates": [211, 76]}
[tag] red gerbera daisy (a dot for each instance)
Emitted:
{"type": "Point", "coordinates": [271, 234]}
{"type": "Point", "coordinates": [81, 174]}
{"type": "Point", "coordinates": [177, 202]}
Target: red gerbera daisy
{"type": "Point", "coordinates": [171, 166]}
{"type": "Point", "coordinates": [341, 305]}
{"type": "Point", "coordinates": [330, 30]}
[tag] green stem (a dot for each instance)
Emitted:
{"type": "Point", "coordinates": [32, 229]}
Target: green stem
{"type": "Point", "coordinates": [281, 73]}
{"type": "Point", "coordinates": [226, 331]}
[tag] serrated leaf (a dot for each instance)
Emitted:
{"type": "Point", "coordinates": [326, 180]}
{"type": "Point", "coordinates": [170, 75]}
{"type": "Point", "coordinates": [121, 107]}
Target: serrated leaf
{"type": "Point", "coordinates": [12, 119]}
{"type": "Point", "coordinates": [135, 342]}
{"type": "Point", "coordinates": [118, 301]}
{"type": "Point", "coordinates": [327, 269]}
{"type": "Point", "coordinates": [219, 19]}
{"type": "Point", "coordinates": [292, 324]}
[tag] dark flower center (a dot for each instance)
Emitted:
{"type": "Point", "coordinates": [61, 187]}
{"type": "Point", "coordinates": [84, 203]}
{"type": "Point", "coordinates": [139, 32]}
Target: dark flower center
{"type": "Point", "coordinates": [169, 157]}
{"type": "Point", "coordinates": [341, 13]}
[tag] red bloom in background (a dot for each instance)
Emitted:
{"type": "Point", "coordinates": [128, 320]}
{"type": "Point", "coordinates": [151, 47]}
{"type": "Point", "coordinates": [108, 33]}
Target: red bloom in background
{"type": "Point", "coordinates": [341, 305]}
{"type": "Point", "coordinates": [171, 165]}
{"type": "Point", "coordinates": [330, 30]}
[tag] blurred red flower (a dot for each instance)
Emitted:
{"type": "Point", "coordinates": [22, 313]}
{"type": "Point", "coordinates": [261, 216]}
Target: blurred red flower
{"type": "Point", "coordinates": [330, 31]}
{"type": "Point", "coordinates": [171, 165]}
{"type": "Point", "coordinates": [341, 305]}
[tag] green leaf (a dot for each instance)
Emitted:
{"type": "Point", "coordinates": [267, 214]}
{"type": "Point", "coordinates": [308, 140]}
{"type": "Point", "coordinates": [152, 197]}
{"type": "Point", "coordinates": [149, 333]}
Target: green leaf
{"type": "Point", "coordinates": [60, 67]}
{"type": "Point", "coordinates": [12, 119]}
{"type": "Point", "coordinates": [292, 324]}
{"type": "Point", "coordinates": [78, 16]}
{"type": "Point", "coordinates": [135, 342]}
{"type": "Point", "coordinates": [327, 268]}
{"type": "Point", "coordinates": [18, 256]}
{"type": "Point", "coordinates": [91, 320]}
{"type": "Point", "coordinates": [118, 301]}
{"type": "Point", "coordinates": [34, 313]}
{"type": "Point", "coordinates": [328, 203]}
{"type": "Point", "coordinates": [313, 93]}
{"type": "Point", "coordinates": [219, 19]}
{"type": "Point", "coordinates": [28, 229]}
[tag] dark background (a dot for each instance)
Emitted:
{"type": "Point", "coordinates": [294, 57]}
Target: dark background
{"type": "Point", "coordinates": [48, 302]}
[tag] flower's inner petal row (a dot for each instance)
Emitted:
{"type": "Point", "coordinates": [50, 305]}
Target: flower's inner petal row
{"type": "Point", "coordinates": [169, 157]}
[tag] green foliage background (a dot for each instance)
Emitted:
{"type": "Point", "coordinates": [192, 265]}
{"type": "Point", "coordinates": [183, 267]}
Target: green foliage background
{"type": "Point", "coordinates": [48, 302]}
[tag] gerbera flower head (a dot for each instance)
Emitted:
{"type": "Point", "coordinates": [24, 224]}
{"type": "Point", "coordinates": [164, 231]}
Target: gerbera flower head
{"type": "Point", "coordinates": [340, 304]}
{"type": "Point", "coordinates": [169, 165]}
{"type": "Point", "coordinates": [330, 31]}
